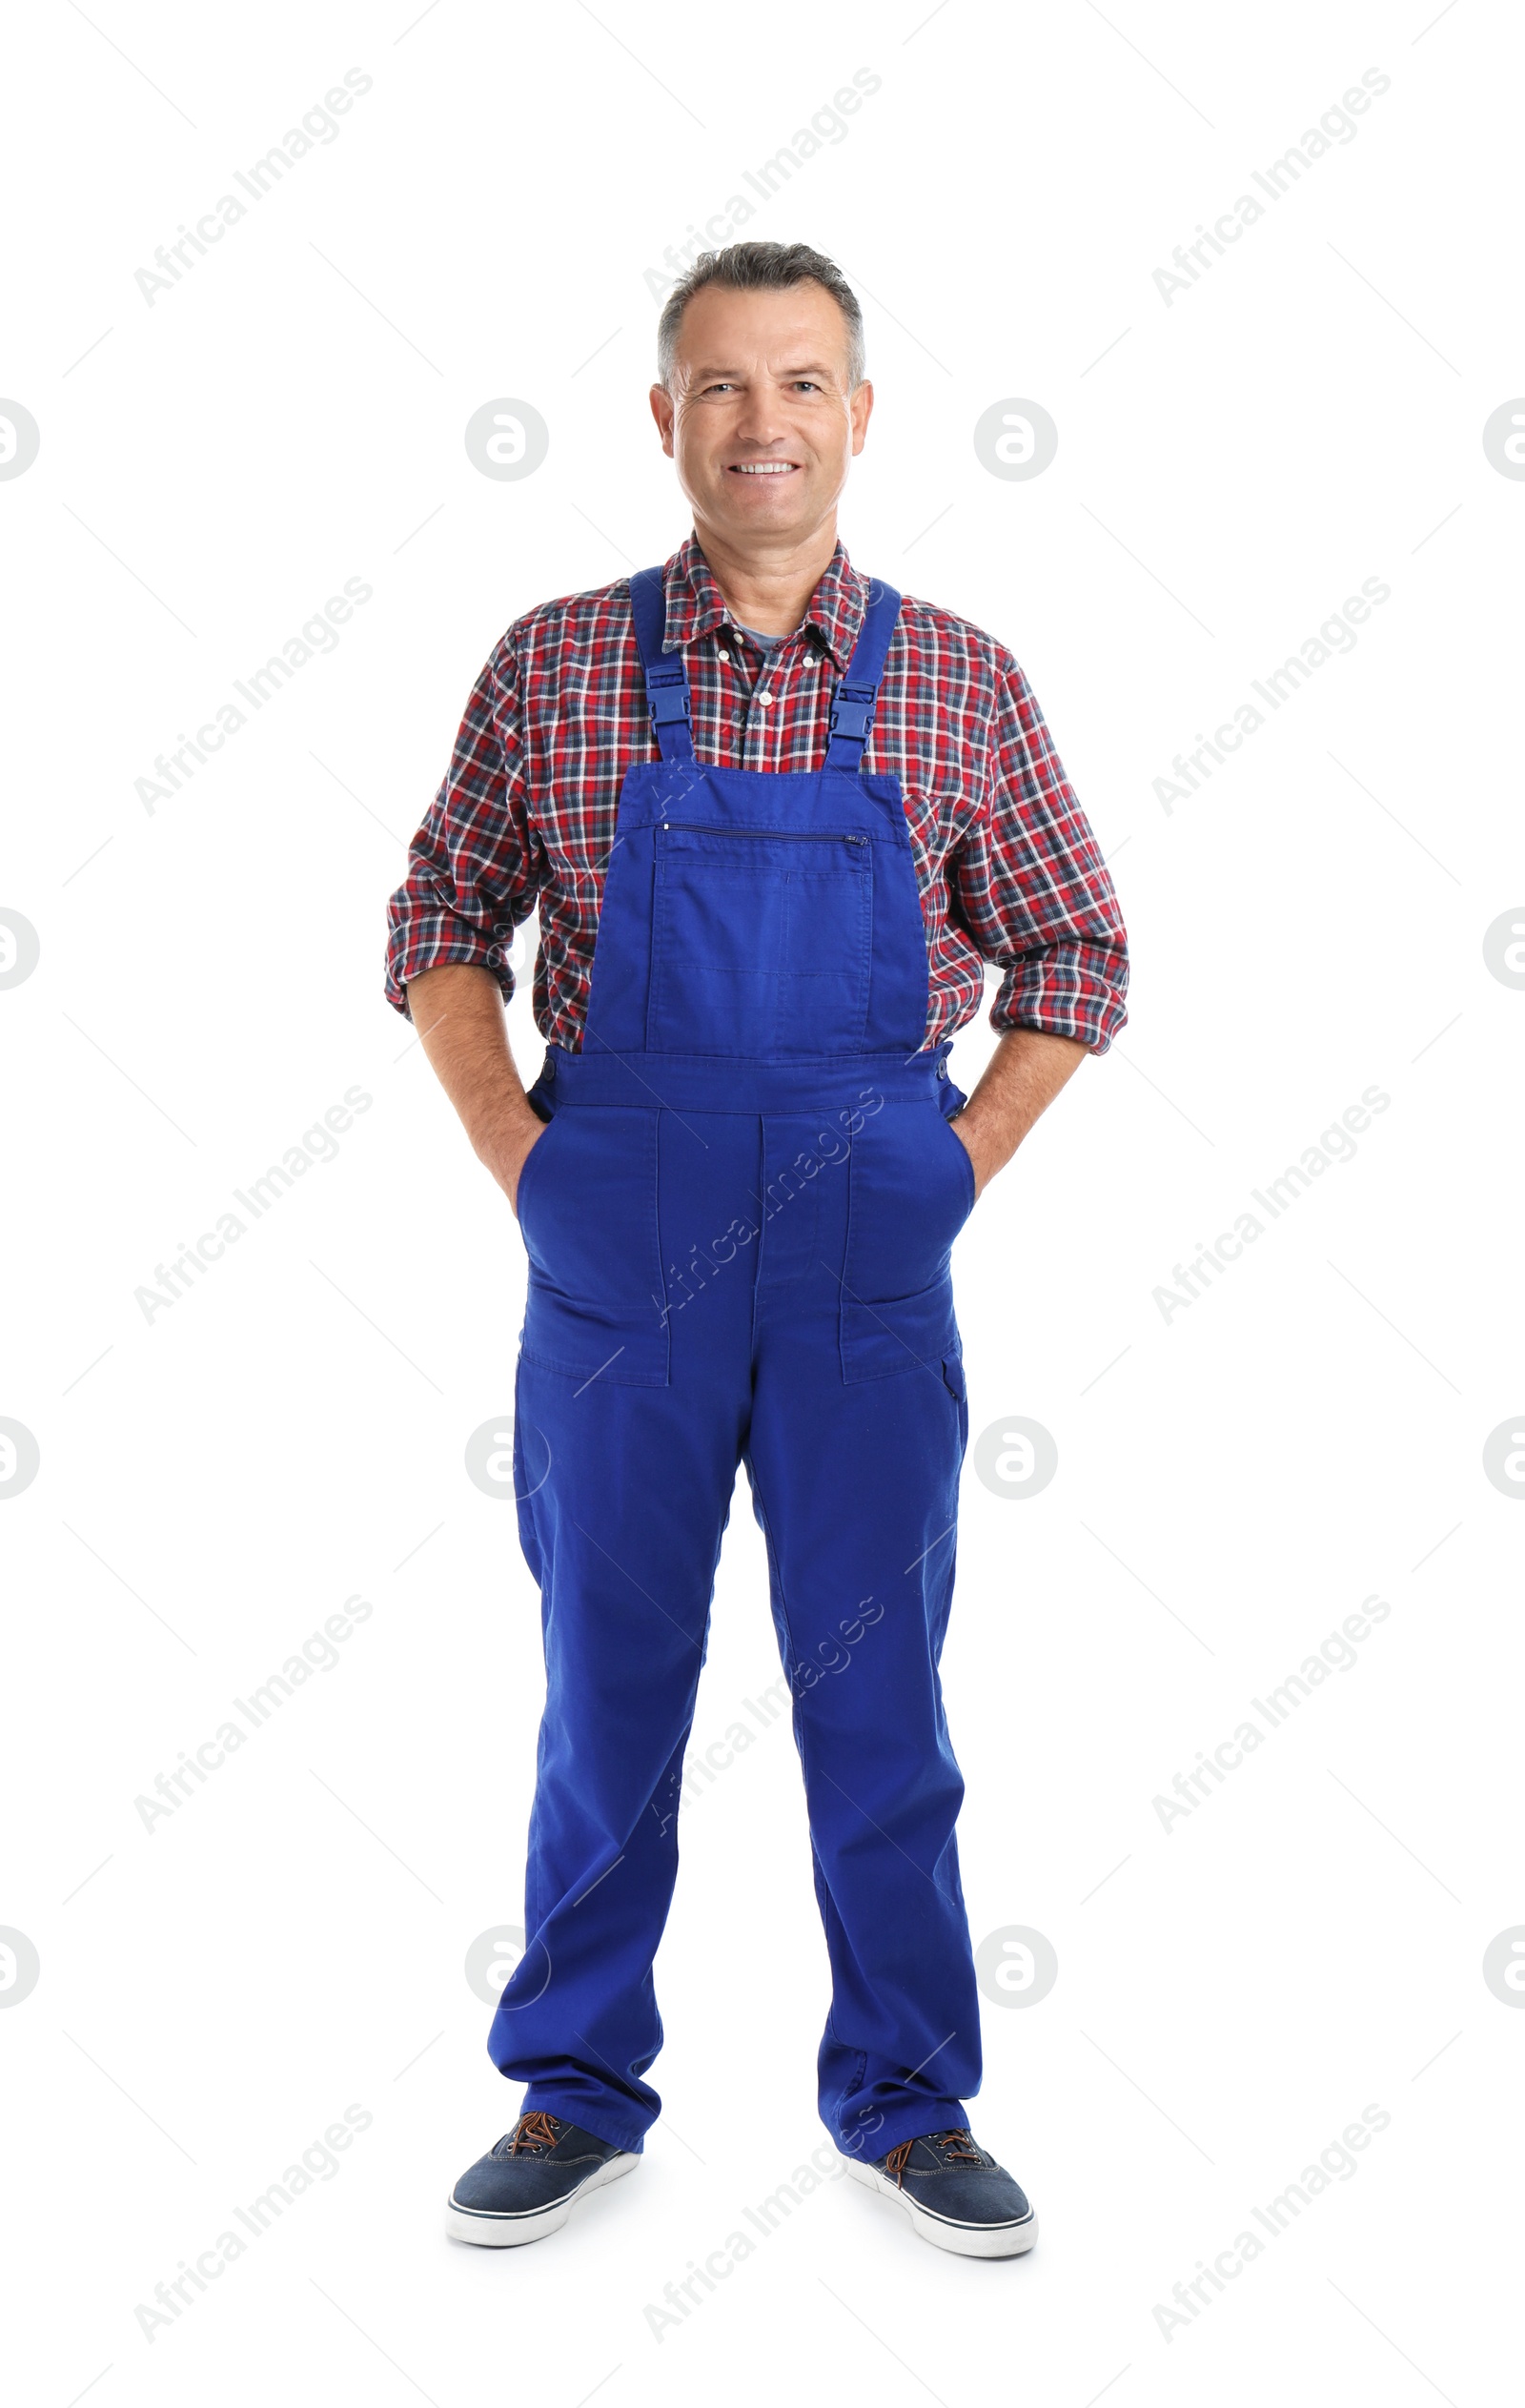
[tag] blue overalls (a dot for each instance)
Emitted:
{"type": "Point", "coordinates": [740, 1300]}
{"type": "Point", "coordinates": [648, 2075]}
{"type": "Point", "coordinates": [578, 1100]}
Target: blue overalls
{"type": "Point", "coordinates": [738, 1226]}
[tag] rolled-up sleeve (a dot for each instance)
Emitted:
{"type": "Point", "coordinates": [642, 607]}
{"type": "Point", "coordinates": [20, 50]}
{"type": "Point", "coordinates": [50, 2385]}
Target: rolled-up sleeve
{"type": "Point", "coordinates": [472, 875]}
{"type": "Point", "coordinates": [1030, 886]}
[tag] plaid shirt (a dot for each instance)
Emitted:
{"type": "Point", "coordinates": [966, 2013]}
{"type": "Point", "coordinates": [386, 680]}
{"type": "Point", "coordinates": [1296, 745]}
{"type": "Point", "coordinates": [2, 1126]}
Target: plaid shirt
{"type": "Point", "coordinates": [1006, 866]}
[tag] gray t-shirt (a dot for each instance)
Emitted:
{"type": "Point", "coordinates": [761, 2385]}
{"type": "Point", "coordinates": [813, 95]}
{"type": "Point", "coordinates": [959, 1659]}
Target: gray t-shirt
{"type": "Point", "coordinates": [770, 643]}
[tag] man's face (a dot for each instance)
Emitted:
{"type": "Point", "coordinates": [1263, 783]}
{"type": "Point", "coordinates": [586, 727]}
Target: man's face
{"type": "Point", "coordinates": [760, 422]}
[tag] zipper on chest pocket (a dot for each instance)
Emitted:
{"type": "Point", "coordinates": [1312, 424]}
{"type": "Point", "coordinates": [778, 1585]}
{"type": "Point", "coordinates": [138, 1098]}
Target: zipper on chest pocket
{"type": "Point", "coordinates": [764, 835]}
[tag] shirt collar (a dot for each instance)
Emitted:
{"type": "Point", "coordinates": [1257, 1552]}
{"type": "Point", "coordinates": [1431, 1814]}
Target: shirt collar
{"type": "Point", "coordinates": [696, 605]}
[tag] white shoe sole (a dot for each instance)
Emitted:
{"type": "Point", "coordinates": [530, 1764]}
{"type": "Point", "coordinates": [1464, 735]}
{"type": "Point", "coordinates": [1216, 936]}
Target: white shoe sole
{"type": "Point", "coordinates": [968, 2240]}
{"type": "Point", "coordinates": [488, 2230]}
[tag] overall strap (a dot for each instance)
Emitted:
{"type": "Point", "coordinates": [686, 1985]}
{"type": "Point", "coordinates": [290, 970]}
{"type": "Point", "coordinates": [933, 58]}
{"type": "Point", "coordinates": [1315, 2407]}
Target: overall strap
{"type": "Point", "coordinates": [852, 706]}
{"type": "Point", "coordinates": [667, 695]}
{"type": "Point", "coordinates": [667, 675]}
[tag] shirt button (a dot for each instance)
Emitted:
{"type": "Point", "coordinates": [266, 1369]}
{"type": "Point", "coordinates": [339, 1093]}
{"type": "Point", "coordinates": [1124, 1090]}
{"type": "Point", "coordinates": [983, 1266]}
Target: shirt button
{"type": "Point", "coordinates": [763, 701]}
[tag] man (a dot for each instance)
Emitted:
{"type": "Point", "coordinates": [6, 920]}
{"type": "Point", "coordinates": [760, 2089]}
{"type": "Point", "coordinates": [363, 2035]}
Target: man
{"type": "Point", "coordinates": [774, 818]}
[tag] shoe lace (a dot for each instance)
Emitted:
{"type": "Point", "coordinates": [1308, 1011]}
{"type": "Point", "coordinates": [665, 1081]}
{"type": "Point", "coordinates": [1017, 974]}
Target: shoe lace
{"type": "Point", "coordinates": [949, 2142]}
{"type": "Point", "coordinates": [534, 2132]}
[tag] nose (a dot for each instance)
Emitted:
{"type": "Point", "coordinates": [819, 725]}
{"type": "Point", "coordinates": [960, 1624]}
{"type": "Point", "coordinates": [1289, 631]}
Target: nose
{"type": "Point", "coordinates": [760, 420]}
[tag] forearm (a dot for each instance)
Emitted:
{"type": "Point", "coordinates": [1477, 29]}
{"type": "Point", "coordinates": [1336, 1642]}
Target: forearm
{"type": "Point", "coordinates": [1021, 1080]}
{"type": "Point", "coordinates": [457, 1009]}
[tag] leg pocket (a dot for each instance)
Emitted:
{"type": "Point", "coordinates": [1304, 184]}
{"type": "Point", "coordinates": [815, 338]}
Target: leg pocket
{"type": "Point", "coordinates": [595, 1306]}
{"type": "Point", "coordinates": [911, 1191]}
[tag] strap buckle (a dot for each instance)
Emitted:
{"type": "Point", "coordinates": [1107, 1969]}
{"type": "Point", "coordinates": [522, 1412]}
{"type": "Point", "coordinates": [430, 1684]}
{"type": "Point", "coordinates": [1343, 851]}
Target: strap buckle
{"type": "Point", "coordinates": [667, 698]}
{"type": "Point", "coordinates": [852, 712]}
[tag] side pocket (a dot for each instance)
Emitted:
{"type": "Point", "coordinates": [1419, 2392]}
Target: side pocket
{"type": "Point", "coordinates": [906, 1203]}
{"type": "Point", "coordinates": [532, 1164]}
{"type": "Point", "coordinates": [965, 1159]}
{"type": "Point", "coordinates": [596, 1305]}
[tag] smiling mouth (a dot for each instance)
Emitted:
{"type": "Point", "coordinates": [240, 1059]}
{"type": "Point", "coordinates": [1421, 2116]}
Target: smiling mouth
{"type": "Point", "coordinates": [763, 468]}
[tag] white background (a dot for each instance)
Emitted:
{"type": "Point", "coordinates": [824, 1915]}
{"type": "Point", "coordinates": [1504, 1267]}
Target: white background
{"type": "Point", "coordinates": [1231, 1483]}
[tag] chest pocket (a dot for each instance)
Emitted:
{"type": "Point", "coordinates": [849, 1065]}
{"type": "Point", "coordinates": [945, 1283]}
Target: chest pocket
{"type": "Point", "coordinates": [761, 944]}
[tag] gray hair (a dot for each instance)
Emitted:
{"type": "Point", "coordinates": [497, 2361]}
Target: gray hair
{"type": "Point", "coordinates": [760, 267]}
